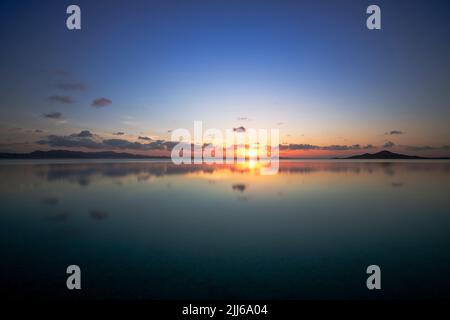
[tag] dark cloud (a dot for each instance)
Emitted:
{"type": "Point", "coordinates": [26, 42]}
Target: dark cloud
{"type": "Point", "coordinates": [393, 132]}
{"type": "Point", "coordinates": [71, 86]}
{"type": "Point", "coordinates": [87, 139]}
{"type": "Point", "coordinates": [388, 144]}
{"type": "Point", "coordinates": [119, 133]}
{"type": "Point", "coordinates": [239, 129]}
{"type": "Point", "coordinates": [83, 134]}
{"type": "Point", "coordinates": [101, 102]}
{"type": "Point", "coordinates": [123, 144]}
{"type": "Point", "coordinates": [72, 141]}
{"type": "Point", "coordinates": [53, 115]}
{"type": "Point", "coordinates": [38, 131]}
{"type": "Point", "coordinates": [61, 99]}
{"type": "Point", "coordinates": [144, 138]}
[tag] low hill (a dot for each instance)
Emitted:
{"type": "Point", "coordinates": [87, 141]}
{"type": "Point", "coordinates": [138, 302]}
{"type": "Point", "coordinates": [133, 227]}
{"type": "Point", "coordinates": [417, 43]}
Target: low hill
{"type": "Point", "coordinates": [66, 154]}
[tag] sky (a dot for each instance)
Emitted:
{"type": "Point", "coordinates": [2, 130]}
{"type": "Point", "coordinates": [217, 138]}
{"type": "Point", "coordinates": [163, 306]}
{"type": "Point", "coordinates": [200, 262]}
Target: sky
{"type": "Point", "coordinates": [137, 70]}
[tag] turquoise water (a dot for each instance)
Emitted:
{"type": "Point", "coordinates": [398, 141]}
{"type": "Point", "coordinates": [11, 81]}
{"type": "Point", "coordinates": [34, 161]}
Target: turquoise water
{"type": "Point", "coordinates": [147, 229]}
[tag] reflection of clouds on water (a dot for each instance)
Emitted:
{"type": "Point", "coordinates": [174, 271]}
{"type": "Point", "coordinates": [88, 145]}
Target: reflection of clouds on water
{"type": "Point", "coordinates": [397, 184]}
{"type": "Point", "coordinates": [61, 216]}
{"type": "Point", "coordinates": [239, 187]}
{"type": "Point", "coordinates": [98, 215]}
{"type": "Point", "coordinates": [51, 201]}
{"type": "Point", "coordinates": [86, 173]}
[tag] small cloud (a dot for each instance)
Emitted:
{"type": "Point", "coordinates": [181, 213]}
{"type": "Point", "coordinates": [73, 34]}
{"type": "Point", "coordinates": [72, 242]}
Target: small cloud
{"type": "Point", "coordinates": [61, 99]}
{"type": "Point", "coordinates": [239, 129]}
{"type": "Point", "coordinates": [280, 123]}
{"type": "Point", "coordinates": [38, 131]}
{"type": "Point", "coordinates": [243, 119]}
{"type": "Point", "coordinates": [388, 144]}
{"type": "Point", "coordinates": [53, 115]}
{"type": "Point", "coordinates": [393, 132]}
{"type": "Point", "coordinates": [144, 138]}
{"type": "Point", "coordinates": [101, 102]}
{"type": "Point", "coordinates": [71, 86]}
{"type": "Point", "coordinates": [83, 134]}
{"type": "Point", "coordinates": [120, 133]}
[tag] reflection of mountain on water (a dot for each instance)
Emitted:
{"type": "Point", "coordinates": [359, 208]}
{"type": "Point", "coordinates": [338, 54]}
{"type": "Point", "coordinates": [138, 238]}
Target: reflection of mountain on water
{"type": "Point", "coordinates": [84, 173]}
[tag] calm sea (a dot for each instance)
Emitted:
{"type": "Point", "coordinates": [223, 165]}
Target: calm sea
{"type": "Point", "coordinates": [147, 229]}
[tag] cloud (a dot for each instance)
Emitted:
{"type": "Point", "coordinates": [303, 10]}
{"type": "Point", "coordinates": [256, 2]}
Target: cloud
{"type": "Point", "coordinates": [53, 115]}
{"type": "Point", "coordinates": [427, 148]}
{"type": "Point", "coordinates": [388, 144]}
{"type": "Point", "coordinates": [87, 139]}
{"type": "Point", "coordinates": [61, 99]}
{"type": "Point", "coordinates": [71, 86]}
{"type": "Point", "coordinates": [83, 134]}
{"type": "Point", "coordinates": [239, 129]}
{"type": "Point", "coordinates": [120, 133]}
{"type": "Point", "coordinates": [144, 138]}
{"type": "Point", "coordinates": [101, 102]}
{"type": "Point", "coordinates": [243, 119]}
{"type": "Point", "coordinates": [71, 141]}
{"type": "Point", "coordinates": [393, 132]}
{"type": "Point", "coordinates": [307, 147]}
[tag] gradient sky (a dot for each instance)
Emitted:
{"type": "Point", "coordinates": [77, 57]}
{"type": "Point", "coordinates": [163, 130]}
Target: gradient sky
{"type": "Point", "coordinates": [309, 68]}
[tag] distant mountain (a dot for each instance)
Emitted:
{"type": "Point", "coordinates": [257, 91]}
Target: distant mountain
{"type": "Point", "coordinates": [66, 154]}
{"type": "Point", "coordinates": [384, 155]}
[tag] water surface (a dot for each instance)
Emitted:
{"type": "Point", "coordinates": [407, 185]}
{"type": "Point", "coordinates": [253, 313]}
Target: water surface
{"type": "Point", "coordinates": [146, 229]}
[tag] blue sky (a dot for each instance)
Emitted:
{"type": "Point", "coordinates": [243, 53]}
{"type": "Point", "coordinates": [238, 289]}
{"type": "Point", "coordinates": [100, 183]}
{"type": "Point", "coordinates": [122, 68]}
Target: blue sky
{"type": "Point", "coordinates": [310, 68]}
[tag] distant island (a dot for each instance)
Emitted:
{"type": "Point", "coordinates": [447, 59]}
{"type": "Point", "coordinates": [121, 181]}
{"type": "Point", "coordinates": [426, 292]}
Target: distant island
{"type": "Point", "coordinates": [386, 155]}
{"type": "Point", "coordinates": [66, 154]}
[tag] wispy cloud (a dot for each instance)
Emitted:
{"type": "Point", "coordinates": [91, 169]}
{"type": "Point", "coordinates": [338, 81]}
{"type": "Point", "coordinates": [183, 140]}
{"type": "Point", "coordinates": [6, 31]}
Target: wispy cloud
{"type": "Point", "coordinates": [393, 132]}
{"type": "Point", "coordinates": [388, 144]}
{"type": "Point", "coordinates": [144, 138]}
{"type": "Point", "coordinates": [61, 99]}
{"type": "Point", "coordinates": [306, 147]}
{"type": "Point", "coordinates": [119, 133]}
{"type": "Point", "coordinates": [53, 115]}
{"type": "Point", "coordinates": [427, 148]}
{"type": "Point", "coordinates": [101, 102]}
